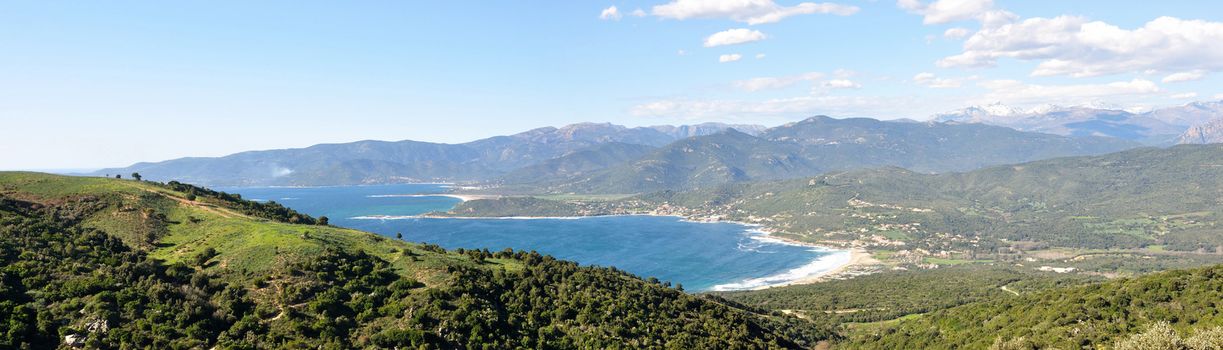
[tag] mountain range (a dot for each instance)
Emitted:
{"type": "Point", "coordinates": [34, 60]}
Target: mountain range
{"type": "Point", "coordinates": [610, 158]}
{"type": "Point", "coordinates": [365, 162]}
{"type": "Point", "coordinates": [820, 144]}
{"type": "Point", "coordinates": [1155, 127]}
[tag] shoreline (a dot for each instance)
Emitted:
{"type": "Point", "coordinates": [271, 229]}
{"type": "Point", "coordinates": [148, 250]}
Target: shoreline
{"type": "Point", "coordinates": [857, 256]}
{"type": "Point", "coordinates": [461, 197]}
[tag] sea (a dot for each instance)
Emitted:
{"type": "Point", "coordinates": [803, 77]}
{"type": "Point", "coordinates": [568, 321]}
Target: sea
{"type": "Point", "coordinates": [701, 256]}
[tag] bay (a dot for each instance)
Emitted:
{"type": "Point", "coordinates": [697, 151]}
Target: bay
{"type": "Point", "coordinates": [700, 256]}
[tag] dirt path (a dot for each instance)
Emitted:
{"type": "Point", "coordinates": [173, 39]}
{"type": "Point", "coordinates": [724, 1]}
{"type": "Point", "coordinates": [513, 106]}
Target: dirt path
{"type": "Point", "coordinates": [223, 212]}
{"type": "Point", "coordinates": [1008, 290]}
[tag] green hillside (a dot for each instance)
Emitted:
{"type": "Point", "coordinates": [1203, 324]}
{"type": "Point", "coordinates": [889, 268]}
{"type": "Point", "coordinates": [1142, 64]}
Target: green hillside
{"type": "Point", "coordinates": [104, 263]}
{"type": "Point", "coordinates": [1091, 316]}
{"type": "Point", "coordinates": [577, 163]}
{"type": "Point", "coordinates": [895, 294]}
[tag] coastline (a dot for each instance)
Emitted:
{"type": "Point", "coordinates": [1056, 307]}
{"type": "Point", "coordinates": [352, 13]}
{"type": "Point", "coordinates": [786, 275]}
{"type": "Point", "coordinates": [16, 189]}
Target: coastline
{"type": "Point", "coordinates": [857, 257]}
{"type": "Point", "coordinates": [461, 197]}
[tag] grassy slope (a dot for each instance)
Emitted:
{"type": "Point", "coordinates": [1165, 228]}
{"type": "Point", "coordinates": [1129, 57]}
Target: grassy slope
{"type": "Point", "coordinates": [248, 246]}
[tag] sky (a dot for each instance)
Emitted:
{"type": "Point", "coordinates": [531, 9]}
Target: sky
{"type": "Point", "coordinates": [100, 84]}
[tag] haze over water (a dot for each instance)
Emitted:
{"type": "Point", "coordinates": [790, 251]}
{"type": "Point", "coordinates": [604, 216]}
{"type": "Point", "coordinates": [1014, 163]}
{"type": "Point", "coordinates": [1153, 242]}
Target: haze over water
{"type": "Point", "coordinates": [701, 256]}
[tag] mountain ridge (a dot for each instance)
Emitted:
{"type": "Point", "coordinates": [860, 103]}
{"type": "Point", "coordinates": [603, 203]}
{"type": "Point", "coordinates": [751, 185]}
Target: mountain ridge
{"type": "Point", "coordinates": [820, 144]}
{"type": "Point", "coordinates": [1154, 127]}
{"type": "Point", "coordinates": [374, 161]}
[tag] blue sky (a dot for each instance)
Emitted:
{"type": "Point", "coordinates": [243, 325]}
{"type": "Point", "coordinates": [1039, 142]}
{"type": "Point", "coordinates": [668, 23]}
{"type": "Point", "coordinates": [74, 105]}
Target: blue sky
{"type": "Point", "coordinates": [93, 84]}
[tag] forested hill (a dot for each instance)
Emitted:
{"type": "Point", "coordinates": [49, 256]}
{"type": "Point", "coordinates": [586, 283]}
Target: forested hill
{"type": "Point", "coordinates": [822, 144]}
{"type": "Point", "coordinates": [105, 263]}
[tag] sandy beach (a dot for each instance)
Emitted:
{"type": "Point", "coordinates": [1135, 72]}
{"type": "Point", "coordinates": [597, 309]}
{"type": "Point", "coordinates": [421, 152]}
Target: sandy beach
{"type": "Point", "coordinates": [857, 257]}
{"type": "Point", "coordinates": [462, 197]}
{"type": "Point", "coordinates": [470, 197]}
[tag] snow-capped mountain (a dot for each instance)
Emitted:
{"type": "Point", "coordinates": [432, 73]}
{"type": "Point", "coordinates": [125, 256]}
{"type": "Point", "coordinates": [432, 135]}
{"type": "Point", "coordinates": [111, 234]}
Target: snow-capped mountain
{"type": "Point", "coordinates": [1158, 126]}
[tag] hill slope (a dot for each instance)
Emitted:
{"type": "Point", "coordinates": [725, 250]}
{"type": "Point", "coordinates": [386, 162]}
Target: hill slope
{"type": "Point", "coordinates": [1071, 318]}
{"type": "Point", "coordinates": [99, 263]}
{"type": "Point", "coordinates": [822, 144]}
{"type": "Point", "coordinates": [577, 163]}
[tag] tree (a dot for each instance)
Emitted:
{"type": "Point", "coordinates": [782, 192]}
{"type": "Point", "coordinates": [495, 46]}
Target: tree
{"type": "Point", "coordinates": [202, 258]}
{"type": "Point", "coordinates": [322, 220]}
{"type": "Point", "coordinates": [398, 235]}
{"type": "Point", "coordinates": [136, 176]}
{"type": "Point", "coordinates": [117, 176]}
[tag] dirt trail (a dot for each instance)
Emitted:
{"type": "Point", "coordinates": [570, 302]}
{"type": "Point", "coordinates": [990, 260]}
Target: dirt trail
{"type": "Point", "coordinates": [223, 212]}
{"type": "Point", "coordinates": [1008, 290]}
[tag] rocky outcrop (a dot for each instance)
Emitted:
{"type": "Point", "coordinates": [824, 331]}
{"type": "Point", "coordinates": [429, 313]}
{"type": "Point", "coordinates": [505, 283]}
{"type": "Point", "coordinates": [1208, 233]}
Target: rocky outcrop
{"type": "Point", "coordinates": [1211, 132]}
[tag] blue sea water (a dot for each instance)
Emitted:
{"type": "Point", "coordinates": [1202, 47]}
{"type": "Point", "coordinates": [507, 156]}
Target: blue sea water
{"type": "Point", "coordinates": [701, 256]}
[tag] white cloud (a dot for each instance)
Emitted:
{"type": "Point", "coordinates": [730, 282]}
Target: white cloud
{"type": "Point", "coordinates": [733, 37]}
{"type": "Point", "coordinates": [946, 11]}
{"type": "Point", "coordinates": [729, 58]}
{"type": "Point", "coordinates": [842, 84]}
{"type": "Point", "coordinates": [751, 12]}
{"type": "Point", "coordinates": [681, 52]}
{"type": "Point", "coordinates": [610, 13]}
{"type": "Point", "coordinates": [1019, 93]}
{"type": "Point", "coordinates": [1185, 95]}
{"type": "Point", "coordinates": [1072, 45]}
{"type": "Point", "coordinates": [759, 56]}
{"type": "Point", "coordinates": [768, 83]}
{"type": "Point", "coordinates": [1185, 76]}
{"type": "Point", "coordinates": [1219, 96]}
{"type": "Point", "coordinates": [638, 13]}
{"type": "Point", "coordinates": [928, 79]}
{"type": "Point", "coordinates": [955, 33]}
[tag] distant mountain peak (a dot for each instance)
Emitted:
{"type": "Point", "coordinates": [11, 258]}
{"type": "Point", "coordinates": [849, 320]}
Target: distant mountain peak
{"type": "Point", "coordinates": [1152, 126]}
{"type": "Point", "coordinates": [1210, 132]}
